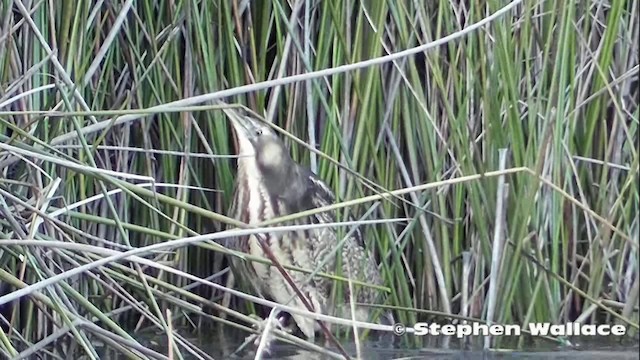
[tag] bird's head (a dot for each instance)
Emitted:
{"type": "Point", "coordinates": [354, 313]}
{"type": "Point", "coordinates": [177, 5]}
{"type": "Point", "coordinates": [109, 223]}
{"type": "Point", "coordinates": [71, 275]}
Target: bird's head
{"type": "Point", "coordinates": [258, 142]}
{"type": "Point", "coordinates": [264, 160]}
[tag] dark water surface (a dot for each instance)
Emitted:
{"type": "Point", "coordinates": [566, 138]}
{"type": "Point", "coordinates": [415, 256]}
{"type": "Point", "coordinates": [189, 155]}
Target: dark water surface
{"type": "Point", "coordinates": [222, 344]}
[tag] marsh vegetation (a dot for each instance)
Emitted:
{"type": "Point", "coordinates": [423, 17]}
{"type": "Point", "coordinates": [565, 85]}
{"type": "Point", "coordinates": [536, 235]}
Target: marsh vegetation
{"type": "Point", "coordinates": [496, 162]}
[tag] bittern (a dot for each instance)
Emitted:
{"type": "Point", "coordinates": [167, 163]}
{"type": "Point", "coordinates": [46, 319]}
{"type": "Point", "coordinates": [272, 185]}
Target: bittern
{"type": "Point", "coordinates": [270, 184]}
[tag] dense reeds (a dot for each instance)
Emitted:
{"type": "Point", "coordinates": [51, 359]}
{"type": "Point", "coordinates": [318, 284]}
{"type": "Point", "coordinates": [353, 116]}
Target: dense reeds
{"type": "Point", "coordinates": [545, 230]}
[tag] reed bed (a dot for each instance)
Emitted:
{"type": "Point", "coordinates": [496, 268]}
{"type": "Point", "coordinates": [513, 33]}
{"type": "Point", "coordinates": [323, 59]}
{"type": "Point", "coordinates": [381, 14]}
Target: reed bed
{"type": "Point", "coordinates": [489, 149]}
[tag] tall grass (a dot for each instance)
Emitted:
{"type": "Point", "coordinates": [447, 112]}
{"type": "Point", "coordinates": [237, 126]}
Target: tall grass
{"type": "Point", "coordinates": [524, 131]}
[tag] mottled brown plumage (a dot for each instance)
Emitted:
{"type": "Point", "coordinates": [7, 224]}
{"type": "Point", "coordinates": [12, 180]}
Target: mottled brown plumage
{"type": "Point", "coordinates": [270, 184]}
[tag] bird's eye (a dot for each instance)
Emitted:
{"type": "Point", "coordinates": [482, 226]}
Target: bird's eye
{"type": "Point", "coordinates": [259, 132]}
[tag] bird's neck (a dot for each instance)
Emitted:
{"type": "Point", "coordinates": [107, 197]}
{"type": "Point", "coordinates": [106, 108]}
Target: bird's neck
{"type": "Point", "coordinates": [247, 167]}
{"type": "Point", "coordinates": [275, 181]}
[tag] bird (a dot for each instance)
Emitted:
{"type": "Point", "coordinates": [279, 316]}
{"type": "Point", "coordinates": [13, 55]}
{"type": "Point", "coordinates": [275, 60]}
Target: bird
{"type": "Point", "coordinates": [270, 184]}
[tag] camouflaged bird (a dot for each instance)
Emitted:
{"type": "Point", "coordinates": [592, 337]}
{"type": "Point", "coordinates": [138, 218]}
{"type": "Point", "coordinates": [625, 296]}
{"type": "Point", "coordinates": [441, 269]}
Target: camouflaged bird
{"type": "Point", "coordinates": [269, 185]}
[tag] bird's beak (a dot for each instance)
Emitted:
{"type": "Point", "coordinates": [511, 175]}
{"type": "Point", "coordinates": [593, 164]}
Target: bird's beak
{"type": "Point", "coordinates": [246, 127]}
{"type": "Point", "coordinates": [243, 123]}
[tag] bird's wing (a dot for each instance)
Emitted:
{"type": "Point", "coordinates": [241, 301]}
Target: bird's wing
{"type": "Point", "coordinates": [356, 260]}
{"type": "Point", "coordinates": [321, 195]}
{"type": "Point", "coordinates": [318, 194]}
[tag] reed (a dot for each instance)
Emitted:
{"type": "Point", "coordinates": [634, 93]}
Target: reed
{"type": "Point", "coordinates": [515, 144]}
